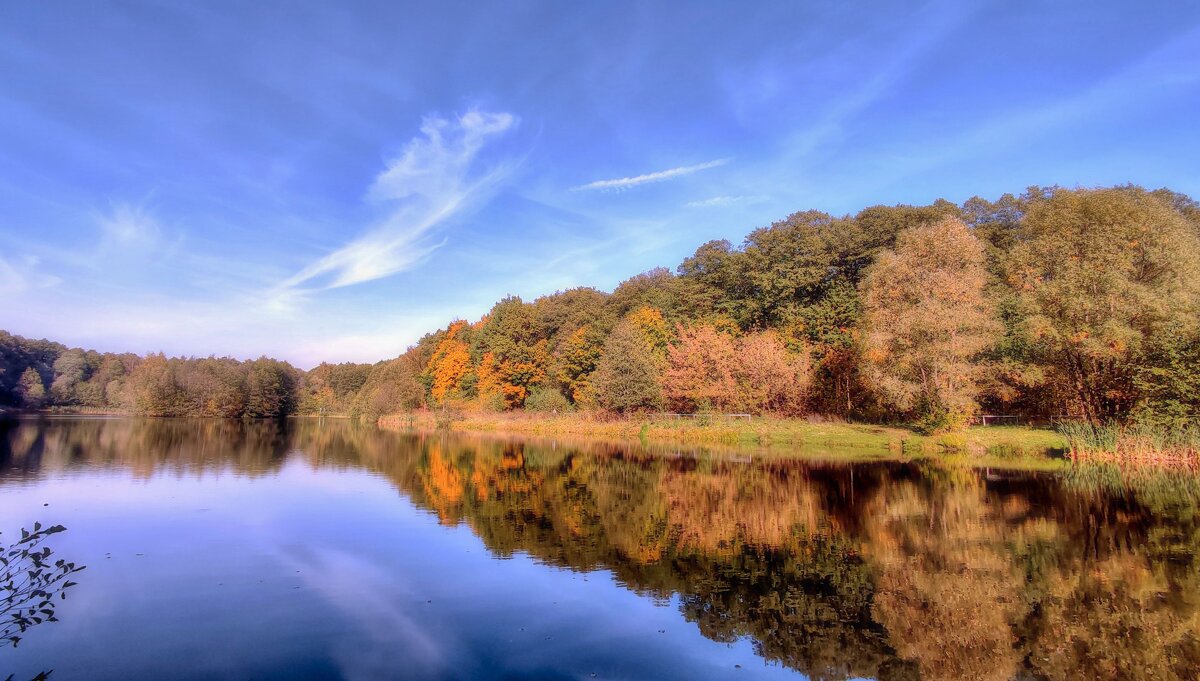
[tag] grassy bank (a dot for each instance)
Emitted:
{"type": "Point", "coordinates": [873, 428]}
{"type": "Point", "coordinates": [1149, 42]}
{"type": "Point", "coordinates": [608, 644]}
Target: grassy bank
{"type": "Point", "coordinates": [999, 443]}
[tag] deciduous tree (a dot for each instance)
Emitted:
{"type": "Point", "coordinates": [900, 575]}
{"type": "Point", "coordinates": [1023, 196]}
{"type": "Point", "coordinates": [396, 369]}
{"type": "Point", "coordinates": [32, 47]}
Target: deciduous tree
{"type": "Point", "coordinates": [927, 321]}
{"type": "Point", "coordinates": [629, 374]}
{"type": "Point", "coordinates": [1099, 273]}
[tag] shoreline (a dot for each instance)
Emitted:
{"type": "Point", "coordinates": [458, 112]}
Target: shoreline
{"type": "Point", "coordinates": [984, 444]}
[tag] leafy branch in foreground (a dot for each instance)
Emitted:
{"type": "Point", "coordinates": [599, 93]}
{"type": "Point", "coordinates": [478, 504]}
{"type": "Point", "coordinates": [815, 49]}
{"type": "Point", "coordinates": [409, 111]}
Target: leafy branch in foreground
{"type": "Point", "coordinates": [29, 581]}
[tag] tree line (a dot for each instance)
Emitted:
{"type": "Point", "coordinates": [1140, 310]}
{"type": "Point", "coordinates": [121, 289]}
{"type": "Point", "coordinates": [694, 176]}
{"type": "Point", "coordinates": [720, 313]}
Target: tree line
{"type": "Point", "coordinates": [1073, 303]}
{"type": "Point", "coordinates": [38, 373]}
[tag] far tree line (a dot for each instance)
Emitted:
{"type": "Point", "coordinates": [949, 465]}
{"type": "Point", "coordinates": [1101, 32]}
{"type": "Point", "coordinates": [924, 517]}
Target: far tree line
{"type": "Point", "coordinates": [1071, 303]}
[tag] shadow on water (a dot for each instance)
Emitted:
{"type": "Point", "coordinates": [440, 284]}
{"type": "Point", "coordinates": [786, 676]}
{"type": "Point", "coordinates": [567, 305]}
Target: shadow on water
{"type": "Point", "coordinates": [887, 570]}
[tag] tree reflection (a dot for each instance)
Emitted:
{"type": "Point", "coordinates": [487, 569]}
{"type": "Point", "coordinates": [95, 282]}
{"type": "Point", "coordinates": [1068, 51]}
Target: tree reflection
{"type": "Point", "coordinates": [837, 570]}
{"type": "Point", "coordinates": [906, 572]}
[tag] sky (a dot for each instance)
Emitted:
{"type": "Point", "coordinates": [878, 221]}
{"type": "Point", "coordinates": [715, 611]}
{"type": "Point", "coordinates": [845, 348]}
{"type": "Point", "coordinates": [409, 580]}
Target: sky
{"type": "Point", "coordinates": [330, 181]}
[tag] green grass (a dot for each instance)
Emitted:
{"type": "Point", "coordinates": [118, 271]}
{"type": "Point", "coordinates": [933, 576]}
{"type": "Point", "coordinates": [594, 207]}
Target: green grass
{"type": "Point", "coordinates": [1008, 446]}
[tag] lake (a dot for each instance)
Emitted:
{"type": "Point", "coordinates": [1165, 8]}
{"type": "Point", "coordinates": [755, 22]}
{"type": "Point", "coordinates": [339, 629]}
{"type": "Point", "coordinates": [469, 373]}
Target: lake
{"type": "Point", "coordinates": [333, 550]}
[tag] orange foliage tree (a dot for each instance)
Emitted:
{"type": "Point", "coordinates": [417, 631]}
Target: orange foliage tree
{"type": "Point", "coordinates": [450, 363]}
{"type": "Point", "coordinates": [771, 378]}
{"type": "Point", "coordinates": [700, 371]}
{"type": "Point", "coordinates": [709, 369]}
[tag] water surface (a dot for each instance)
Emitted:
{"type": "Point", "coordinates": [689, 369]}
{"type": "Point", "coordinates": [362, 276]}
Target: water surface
{"type": "Point", "coordinates": [331, 550]}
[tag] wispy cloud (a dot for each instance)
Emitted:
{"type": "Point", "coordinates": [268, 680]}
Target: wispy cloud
{"type": "Point", "coordinates": [432, 181]}
{"type": "Point", "coordinates": [721, 201]}
{"type": "Point", "coordinates": [22, 274]}
{"type": "Point", "coordinates": [128, 224]}
{"type": "Point", "coordinates": [670, 173]}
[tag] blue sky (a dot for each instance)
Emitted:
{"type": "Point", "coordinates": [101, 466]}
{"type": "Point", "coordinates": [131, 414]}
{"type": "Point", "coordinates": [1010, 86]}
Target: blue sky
{"type": "Point", "coordinates": [332, 180]}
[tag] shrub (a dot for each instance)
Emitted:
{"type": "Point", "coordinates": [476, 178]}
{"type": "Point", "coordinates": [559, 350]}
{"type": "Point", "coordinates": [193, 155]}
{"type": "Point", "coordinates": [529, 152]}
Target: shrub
{"type": "Point", "coordinates": [547, 400]}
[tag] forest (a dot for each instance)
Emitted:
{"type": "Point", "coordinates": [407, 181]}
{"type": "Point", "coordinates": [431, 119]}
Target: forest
{"type": "Point", "coordinates": [1058, 303]}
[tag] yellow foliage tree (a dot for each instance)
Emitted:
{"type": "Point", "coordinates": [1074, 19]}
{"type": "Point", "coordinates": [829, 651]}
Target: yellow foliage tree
{"type": "Point", "coordinates": [927, 321]}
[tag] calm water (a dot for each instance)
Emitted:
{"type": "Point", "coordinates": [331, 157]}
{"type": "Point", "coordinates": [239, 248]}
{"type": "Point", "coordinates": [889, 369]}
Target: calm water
{"type": "Point", "coordinates": [223, 550]}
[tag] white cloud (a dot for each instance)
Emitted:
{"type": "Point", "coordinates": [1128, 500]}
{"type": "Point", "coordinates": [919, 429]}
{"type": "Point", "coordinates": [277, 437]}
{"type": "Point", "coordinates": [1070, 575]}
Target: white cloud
{"type": "Point", "coordinates": [627, 182]}
{"type": "Point", "coordinates": [720, 201]}
{"type": "Point", "coordinates": [432, 181]}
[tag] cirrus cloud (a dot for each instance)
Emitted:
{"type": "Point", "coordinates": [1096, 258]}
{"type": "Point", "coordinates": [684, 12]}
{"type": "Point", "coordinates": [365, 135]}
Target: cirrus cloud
{"type": "Point", "coordinates": [670, 173]}
{"type": "Point", "coordinates": [721, 201]}
{"type": "Point", "coordinates": [433, 180]}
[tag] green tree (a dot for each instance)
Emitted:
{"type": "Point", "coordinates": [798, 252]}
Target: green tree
{"type": "Point", "coordinates": [1167, 381]}
{"type": "Point", "coordinates": [561, 314]}
{"type": "Point", "coordinates": [629, 375]}
{"type": "Point", "coordinates": [1099, 273]}
{"type": "Point", "coordinates": [391, 387]}
{"type": "Point", "coordinates": [30, 389]}
{"type": "Point", "coordinates": [786, 266]}
{"type": "Point", "coordinates": [70, 369]}
{"type": "Point", "coordinates": [654, 288]}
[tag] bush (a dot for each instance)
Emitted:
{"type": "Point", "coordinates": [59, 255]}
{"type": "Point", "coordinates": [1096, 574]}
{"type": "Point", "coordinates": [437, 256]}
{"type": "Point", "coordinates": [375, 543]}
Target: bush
{"type": "Point", "coordinates": [937, 418]}
{"type": "Point", "coordinates": [547, 400]}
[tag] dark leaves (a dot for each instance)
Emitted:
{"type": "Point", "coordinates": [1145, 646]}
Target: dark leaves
{"type": "Point", "coordinates": [29, 580]}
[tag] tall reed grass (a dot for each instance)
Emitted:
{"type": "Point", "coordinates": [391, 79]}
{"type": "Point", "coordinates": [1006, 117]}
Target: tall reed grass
{"type": "Point", "coordinates": [1173, 446]}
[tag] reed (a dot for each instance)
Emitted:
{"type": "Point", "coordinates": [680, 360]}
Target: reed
{"type": "Point", "coordinates": [1134, 443]}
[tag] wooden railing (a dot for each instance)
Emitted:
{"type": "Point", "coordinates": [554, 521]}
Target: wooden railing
{"type": "Point", "coordinates": [706, 415]}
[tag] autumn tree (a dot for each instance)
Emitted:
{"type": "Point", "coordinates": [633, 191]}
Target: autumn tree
{"type": "Point", "coordinates": [449, 364]}
{"type": "Point", "coordinates": [1096, 293]}
{"type": "Point", "coordinates": [575, 361]}
{"type": "Point", "coordinates": [708, 369]}
{"type": "Point", "coordinates": [700, 371]}
{"type": "Point", "coordinates": [927, 321]}
{"type": "Point", "coordinates": [270, 388]}
{"type": "Point", "coordinates": [771, 378]}
{"type": "Point", "coordinates": [152, 390]}
{"type": "Point", "coordinates": [649, 322]}
{"type": "Point", "coordinates": [211, 387]}
{"type": "Point", "coordinates": [512, 353]}
{"type": "Point", "coordinates": [1099, 274]}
